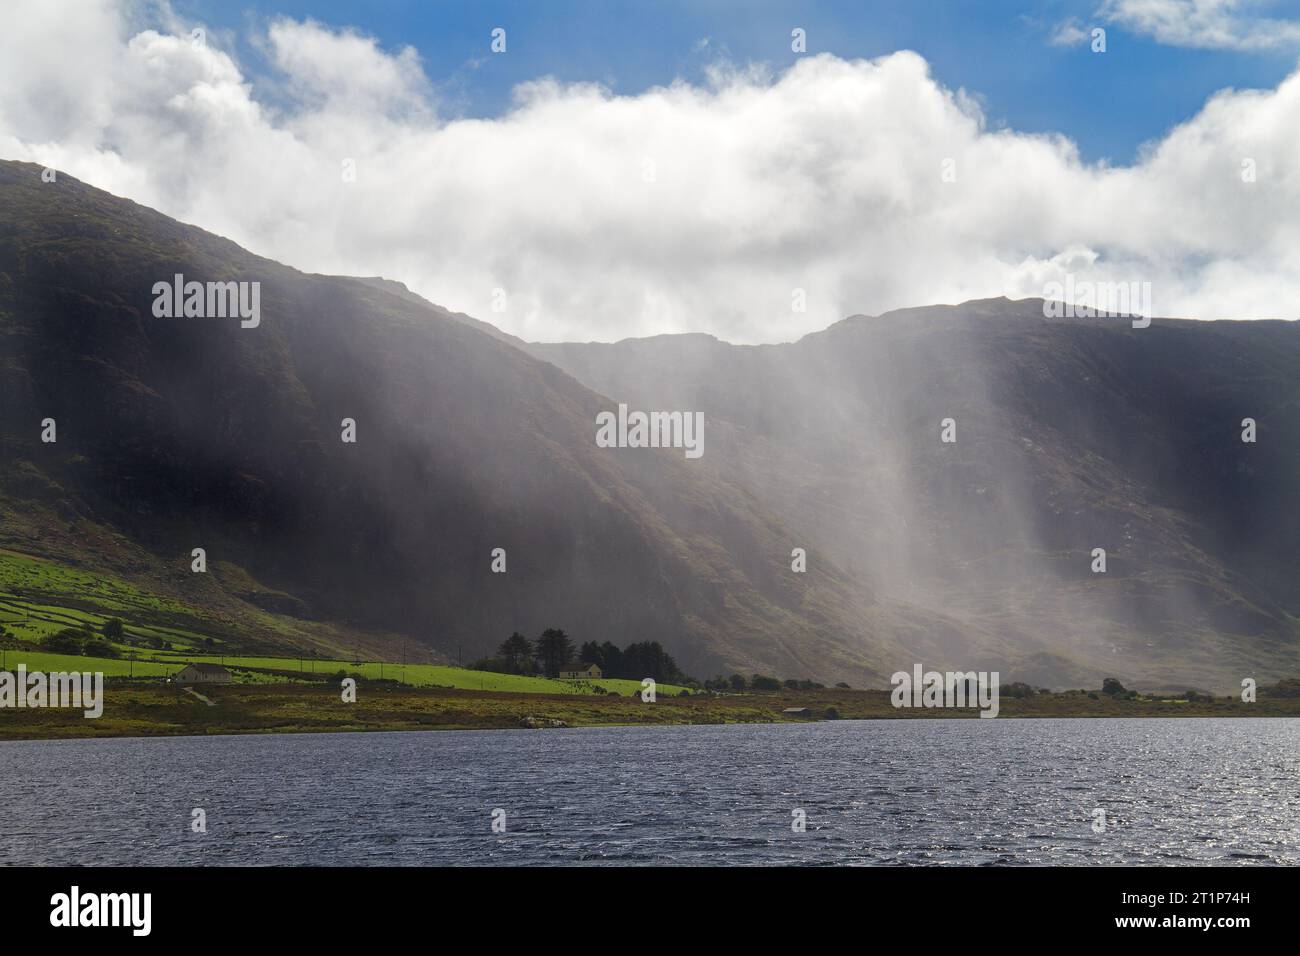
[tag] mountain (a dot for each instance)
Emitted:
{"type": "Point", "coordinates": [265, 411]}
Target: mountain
{"type": "Point", "coordinates": [1070, 436]}
{"type": "Point", "coordinates": [178, 433]}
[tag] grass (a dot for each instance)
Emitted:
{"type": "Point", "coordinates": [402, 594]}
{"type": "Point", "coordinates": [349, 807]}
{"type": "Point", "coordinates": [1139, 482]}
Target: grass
{"type": "Point", "coordinates": [40, 597]}
{"type": "Point", "coordinates": [109, 667]}
{"type": "Point", "coordinates": [139, 709]}
{"type": "Point", "coordinates": [278, 693]}
{"type": "Point", "coordinates": [155, 709]}
{"type": "Point", "coordinates": [436, 675]}
{"type": "Point", "coordinates": [158, 664]}
{"type": "Point", "coordinates": [30, 574]}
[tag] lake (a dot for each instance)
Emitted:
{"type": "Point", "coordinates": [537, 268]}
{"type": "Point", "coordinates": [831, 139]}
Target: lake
{"type": "Point", "coordinates": [1178, 790]}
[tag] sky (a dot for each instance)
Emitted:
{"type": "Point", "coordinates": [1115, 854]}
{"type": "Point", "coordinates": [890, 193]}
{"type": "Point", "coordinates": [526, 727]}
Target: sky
{"type": "Point", "coordinates": [998, 50]}
{"type": "Point", "coordinates": [627, 168]}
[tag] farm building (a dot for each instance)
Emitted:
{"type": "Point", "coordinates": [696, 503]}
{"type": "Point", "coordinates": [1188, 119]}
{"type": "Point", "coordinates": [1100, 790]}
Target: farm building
{"type": "Point", "coordinates": [202, 674]}
{"type": "Point", "coordinates": [580, 671]}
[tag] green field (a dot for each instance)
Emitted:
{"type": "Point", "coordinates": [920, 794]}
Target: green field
{"type": "Point", "coordinates": [109, 667]}
{"type": "Point", "coordinates": [40, 597]}
{"type": "Point", "coordinates": [430, 675]}
{"type": "Point", "coordinates": [158, 664]}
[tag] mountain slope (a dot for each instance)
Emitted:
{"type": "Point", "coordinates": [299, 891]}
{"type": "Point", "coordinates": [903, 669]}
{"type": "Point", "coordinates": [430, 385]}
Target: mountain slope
{"type": "Point", "coordinates": [176, 433]}
{"type": "Point", "coordinates": [1070, 436]}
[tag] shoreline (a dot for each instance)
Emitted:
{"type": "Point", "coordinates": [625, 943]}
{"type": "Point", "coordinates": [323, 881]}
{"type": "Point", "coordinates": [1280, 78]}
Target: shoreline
{"type": "Point", "coordinates": [148, 709]}
{"type": "Point", "coordinates": [317, 732]}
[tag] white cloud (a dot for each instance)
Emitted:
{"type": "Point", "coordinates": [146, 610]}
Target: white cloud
{"type": "Point", "coordinates": [1068, 33]}
{"type": "Point", "coordinates": [681, 208]}
{"type": "Point", "coordinates": [1209, 24]}
{"type": "Point", "coordinates": [346, 72]}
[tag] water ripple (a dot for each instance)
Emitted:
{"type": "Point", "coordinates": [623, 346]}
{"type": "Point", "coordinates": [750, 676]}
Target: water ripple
{"type": "Point", "coordinates": [1004, 792]}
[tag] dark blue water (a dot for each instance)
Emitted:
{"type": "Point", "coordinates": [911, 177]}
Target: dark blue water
{"type": "Point", "coordinates": [875, 792]}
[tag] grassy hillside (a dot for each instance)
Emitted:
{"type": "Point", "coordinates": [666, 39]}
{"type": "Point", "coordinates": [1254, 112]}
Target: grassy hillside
{"type": "Point", "coordinates": [40, 597]}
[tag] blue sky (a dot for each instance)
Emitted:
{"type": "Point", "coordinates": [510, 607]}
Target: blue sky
{"type": "Point", "coordinates": [998, 50]}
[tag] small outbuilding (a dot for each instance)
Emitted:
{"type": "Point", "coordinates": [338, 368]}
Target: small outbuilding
{"type": "Point", "coordinates": [797, 712]}
{"type": "Point", "coordinates": [580, 672]}
{"type": "Point", "coordinates": [202, 674]}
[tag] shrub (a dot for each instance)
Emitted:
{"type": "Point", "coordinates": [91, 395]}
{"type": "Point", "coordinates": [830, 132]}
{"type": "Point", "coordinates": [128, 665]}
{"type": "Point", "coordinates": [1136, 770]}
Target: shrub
{"type": "Point", "coordinates": [1287, 687]}
{"type": "Point", "coordinates": [493, 665]}
{"type": "Point", "coordinates": [1112, 686]}
{"type": "Point", "coordinates": [67, 641]}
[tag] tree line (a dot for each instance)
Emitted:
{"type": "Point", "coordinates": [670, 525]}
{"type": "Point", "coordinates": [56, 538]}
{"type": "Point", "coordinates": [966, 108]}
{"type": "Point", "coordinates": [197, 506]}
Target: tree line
{"type": "Point", "coordinates": [738, 682]}
{"type": "Point", "coordinates": [554, 649]}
